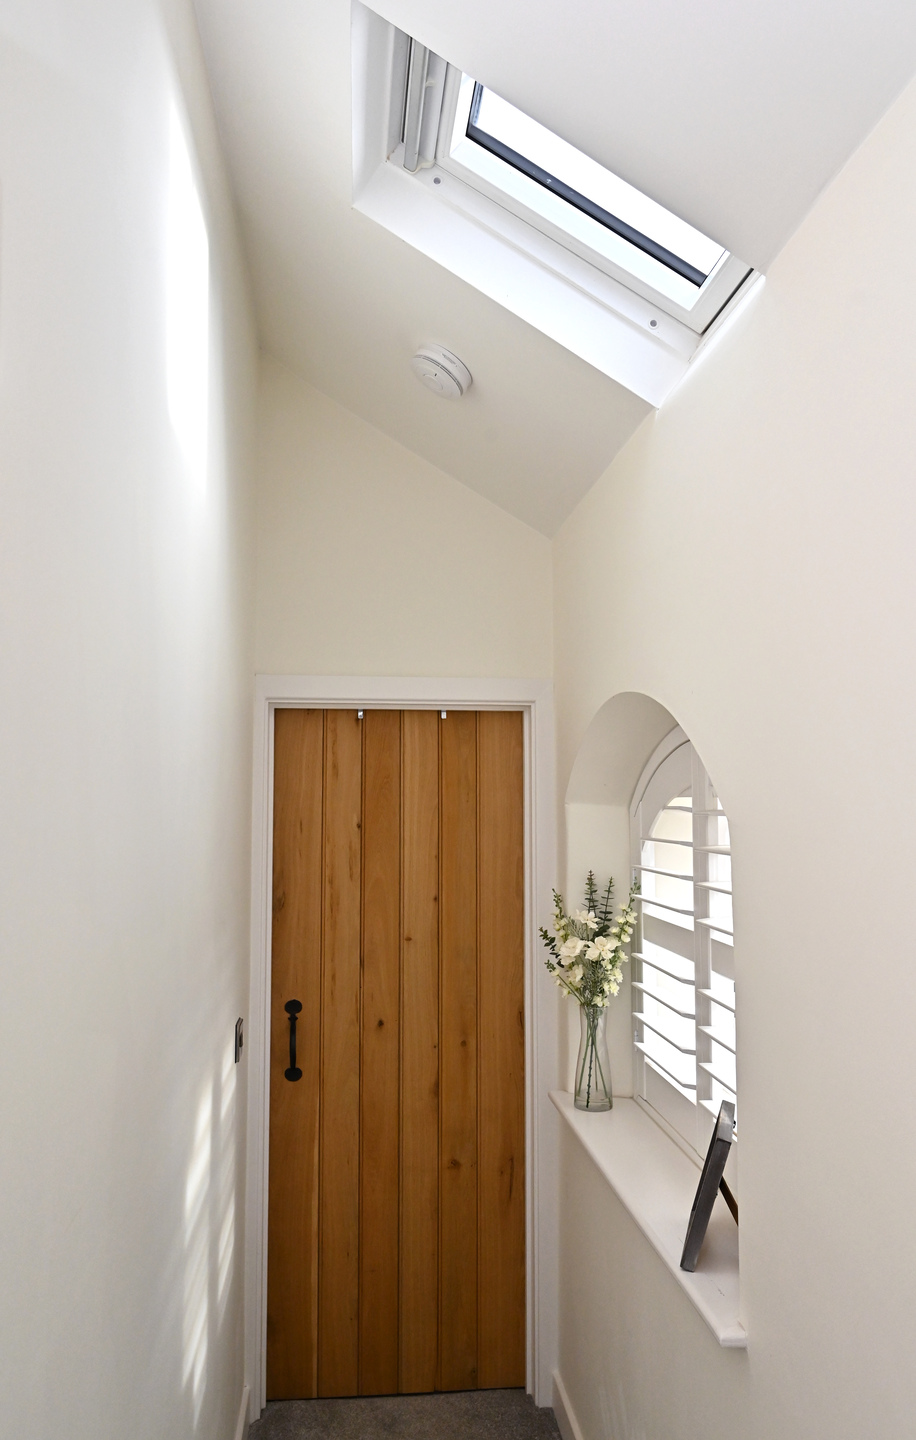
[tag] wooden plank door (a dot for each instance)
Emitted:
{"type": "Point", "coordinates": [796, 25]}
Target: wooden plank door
{"type": "Point", "coordinates": [418, 1318]}
{"type": "Point", "coordinates": [396, 1215]}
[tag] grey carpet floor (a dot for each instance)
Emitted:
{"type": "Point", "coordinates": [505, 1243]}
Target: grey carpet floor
{"type": "Point", "coordinates": [462, 1415]}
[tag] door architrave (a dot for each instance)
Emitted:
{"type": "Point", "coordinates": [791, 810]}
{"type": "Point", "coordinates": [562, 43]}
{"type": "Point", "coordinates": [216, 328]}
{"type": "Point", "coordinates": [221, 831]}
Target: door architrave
{"type": "Point", "coordinates": [535, 699]}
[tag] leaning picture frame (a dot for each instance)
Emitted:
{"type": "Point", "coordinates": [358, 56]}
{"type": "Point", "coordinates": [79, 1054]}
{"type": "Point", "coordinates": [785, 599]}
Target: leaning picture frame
{"type": "Point", "coordinates": [710, 1181]}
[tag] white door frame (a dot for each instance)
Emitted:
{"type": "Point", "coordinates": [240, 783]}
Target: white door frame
{"type": "Point", "coordinates": [535, 699]}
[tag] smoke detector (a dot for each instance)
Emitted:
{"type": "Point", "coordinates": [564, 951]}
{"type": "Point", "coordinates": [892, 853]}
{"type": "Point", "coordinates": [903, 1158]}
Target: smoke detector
{"type": "Point", "coordinates": [441, 371]}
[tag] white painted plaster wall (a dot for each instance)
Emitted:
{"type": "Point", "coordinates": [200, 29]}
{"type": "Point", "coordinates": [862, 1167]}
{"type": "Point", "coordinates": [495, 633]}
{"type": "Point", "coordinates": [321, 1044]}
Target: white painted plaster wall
{"type": "Point", "coordinates": [125, 656]}
{"type": "Point", "coordinates": [373, 562]}
{"type": "Point", "coordinates": [748, 561]}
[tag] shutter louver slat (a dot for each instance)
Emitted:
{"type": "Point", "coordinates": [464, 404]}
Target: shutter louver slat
{"type": "Point", "coordinates": [663, 905]}
{"type": "Point", "coordinates": [665, 935]}
{"type": "Point", "coordinates": [716, 1035]}
{"type": "Point", "coordinates": [718, 999]}
{"type": "Point", "coordinates": [685, 1050]}
{"type": "Point", "coordinates": [659, 1066]}
{"type": "Point", "coordinates": [654, 995]}
{"type": "Point", "coordinates": [710, 1070]}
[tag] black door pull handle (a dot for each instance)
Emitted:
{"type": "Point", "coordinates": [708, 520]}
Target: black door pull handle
{"type": "Point", "coordinates": [292, 1008]}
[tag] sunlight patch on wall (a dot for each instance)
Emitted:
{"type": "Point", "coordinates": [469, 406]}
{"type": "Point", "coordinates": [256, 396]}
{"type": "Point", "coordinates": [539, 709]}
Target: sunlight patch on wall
{"type": "Point", "coordinates": [226, 1240]}
{"type": "Point", "coordinates": [197, 1254]}
{"type": "Point", "coordinates": [209, 1228]}
{"type": "Point", "coordinates": [187, 306]}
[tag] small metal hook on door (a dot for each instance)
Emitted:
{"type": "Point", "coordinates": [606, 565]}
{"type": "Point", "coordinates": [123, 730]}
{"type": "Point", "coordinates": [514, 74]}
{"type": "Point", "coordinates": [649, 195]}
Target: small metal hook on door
{"type": "Point", "coordinates": [292, 1008]}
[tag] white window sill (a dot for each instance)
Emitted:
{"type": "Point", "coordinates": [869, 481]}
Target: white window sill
{"type": "Point", "coordinates": [656, 1182]}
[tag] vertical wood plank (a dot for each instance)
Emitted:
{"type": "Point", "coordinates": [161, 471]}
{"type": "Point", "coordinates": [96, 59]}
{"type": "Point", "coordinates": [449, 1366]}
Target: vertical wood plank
{"type": "Point", "coordinates": [501, 1041]}
{"type": "Point", "coordinates": [292, 1207]}
{"type": "Point", "coordinates": [419, 1219]}
{"type": "Point", "coordinates": [458, 1052]}
{"type": "Point", "coordinates": [381, 962]}
{"type": "Point", "coordinates": [338, 1284]}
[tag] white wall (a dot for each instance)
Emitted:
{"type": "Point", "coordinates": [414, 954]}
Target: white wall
{"type": "Point", "coordinates": [773, 500]}
{"type": "Point", "coordinates": [373, 562]}
{"type": "Point", "coordinates": [125, 657]}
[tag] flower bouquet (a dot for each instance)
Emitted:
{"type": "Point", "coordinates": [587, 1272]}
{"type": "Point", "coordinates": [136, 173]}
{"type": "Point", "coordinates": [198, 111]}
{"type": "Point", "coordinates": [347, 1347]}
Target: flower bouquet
{"type": "Point", "coordinates": [585, 956]}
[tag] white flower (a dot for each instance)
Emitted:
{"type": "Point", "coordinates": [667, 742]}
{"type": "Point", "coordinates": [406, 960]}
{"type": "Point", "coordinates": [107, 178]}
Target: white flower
{"type": "Point", "coordinates": [586, 956]}
{"type": "Point", "coordinates": [587, 918]}
{"type": "Point", "coordinates": [572, 947]}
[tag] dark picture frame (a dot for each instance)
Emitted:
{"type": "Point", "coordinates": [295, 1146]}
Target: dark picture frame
{"type": "Point", "coordinates": [710, 1182]}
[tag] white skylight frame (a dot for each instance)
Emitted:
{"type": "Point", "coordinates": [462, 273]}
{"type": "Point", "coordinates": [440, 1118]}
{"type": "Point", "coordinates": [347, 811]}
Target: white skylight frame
{"type": "Point", "coordinates": [600, 312]}
{"type": "Point", "coordinates": [696, 305]}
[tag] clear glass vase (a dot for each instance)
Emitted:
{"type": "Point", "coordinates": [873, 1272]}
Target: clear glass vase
{"type": "Point", "coordinates": [593, 1067]}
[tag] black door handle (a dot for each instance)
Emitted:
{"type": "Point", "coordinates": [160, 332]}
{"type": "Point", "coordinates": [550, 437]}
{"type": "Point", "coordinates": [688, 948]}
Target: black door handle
{"type": "Point", "coordinates": [292, 1008]}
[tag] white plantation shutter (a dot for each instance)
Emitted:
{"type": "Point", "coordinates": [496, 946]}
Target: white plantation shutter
{"type": "Point", "coordinates": [683, 950]}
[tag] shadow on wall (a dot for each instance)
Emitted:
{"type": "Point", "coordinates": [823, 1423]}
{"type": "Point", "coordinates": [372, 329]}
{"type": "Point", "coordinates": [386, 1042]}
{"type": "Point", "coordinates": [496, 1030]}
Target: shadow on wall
{"type": "Point", "coordinates": [611, 758]}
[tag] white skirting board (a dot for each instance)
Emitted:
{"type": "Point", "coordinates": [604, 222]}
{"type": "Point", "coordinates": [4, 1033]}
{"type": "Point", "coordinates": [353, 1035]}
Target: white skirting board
{"type": "Point", "coordinates": [562, 1409]}
{"type": "Point", "coordinates": [241, 1428]}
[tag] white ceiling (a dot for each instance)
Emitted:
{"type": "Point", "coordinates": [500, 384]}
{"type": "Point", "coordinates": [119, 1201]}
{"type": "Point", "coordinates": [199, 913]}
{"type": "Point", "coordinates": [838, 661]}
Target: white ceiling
{"type": "Point", "coordinates": [733, 114]}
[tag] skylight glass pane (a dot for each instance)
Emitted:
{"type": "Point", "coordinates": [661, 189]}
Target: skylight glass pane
{"type": "Point", "coordinates": [548, 152]}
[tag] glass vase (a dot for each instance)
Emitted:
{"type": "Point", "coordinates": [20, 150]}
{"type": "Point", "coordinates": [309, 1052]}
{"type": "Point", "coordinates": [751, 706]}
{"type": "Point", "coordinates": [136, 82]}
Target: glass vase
{"type": "Point", "coordinates": [593, 1067]}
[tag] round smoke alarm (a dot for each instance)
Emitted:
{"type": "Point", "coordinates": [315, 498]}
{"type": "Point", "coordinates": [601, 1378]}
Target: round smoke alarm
{"type": "Point", "coordinates": [441, 371]}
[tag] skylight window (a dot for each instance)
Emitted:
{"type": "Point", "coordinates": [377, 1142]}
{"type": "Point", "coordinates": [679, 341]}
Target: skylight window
{"type": "Point", "coordinates": [541, 227]}
{"type": "Point", "coordinates": [570, 190]}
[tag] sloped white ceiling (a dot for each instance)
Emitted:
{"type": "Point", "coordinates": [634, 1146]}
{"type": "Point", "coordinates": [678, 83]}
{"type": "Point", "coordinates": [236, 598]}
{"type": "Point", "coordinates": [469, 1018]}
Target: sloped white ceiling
{"type": "Point", "coordinates": [735, 115]}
